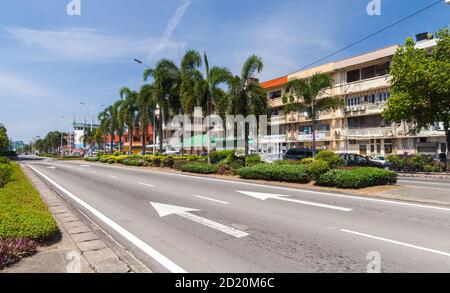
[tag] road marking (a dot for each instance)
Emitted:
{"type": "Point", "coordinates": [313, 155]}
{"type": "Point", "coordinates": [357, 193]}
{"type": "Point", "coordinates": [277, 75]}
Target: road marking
{"type": "Point", "coordinates": [167, 210]}
{"type": "Point", "coordinates": [397, 242]}
{"type": "Point", "coordinates": [85, 166]}
{"type": "Point", "coordinates": [265, 196]}
{"type": "Point", "coordinates": [93, 172]}
{"type": "Point", "coordinates": [145, 184]}
{"type": "Point", "coordinates": [53, 168]}
{"type": "Point", "coordinates": [344, 196]}
{"type": "Point", "coordinates": [210, 199]}
{"type": "Point", "coordinates": [113, 177]}
{"type": "Point", "coordinates": [164, 261]}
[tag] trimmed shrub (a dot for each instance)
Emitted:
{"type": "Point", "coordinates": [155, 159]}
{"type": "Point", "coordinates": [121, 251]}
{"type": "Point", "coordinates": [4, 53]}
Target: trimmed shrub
{"type": "Point", "coordinates": [218, 156]}
{"type": "Point", "coordinates": [333, 160]}
{"type": "Point", "coordinates": [179, 163]}
{"type": "Point", "coordinates": [329, 179]}
{"type": "Point", "coordinates": [287, 162]}
{"type": "Point", "coordinates": [195, 158]}
{"type": "Point", "coordinates": [307, 162]}
{"type": "Point", "coordinates": [317, 168]}
{"type": "Point", "coordinates": [200, 168]}
{"type": "Point", "coordinates": [111, 161]}
{"type": "Point", "coordinates": [223, 168]}
{"type": "Point", "coordinates": [116, 154]}
{"type": "Point", "coordinates": [12, 250]}
{"type": "Point", "coordinates": [358, 178]}
{"type": "Point", "coordinates": [4, 160]}
{"type": "Point", "coordinates": [274, 172]}
{"type": "Point", "coordinates": [156, 162]}
{"type": "Point", "coordinates": [252, 160]}
{"type": "Point", "coordinates": [433, 168]}
{"type": "Point", "coordinates": [167, 162]}
{"type": "Point", "coordinates": [5, 174]}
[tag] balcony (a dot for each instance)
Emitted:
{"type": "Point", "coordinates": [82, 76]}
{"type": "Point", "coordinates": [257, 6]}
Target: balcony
{"type": "Point", "coordinates": [362, 85]}
{"type": "Point", "coordinates": [274, 138]}
{"type": "Point", "coordinates": [371, 132]}
{"type": "Point", "coordinates": [365, 109]}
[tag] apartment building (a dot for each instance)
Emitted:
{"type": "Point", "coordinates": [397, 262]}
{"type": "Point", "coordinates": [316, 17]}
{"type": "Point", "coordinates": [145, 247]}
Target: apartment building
{"type": "Point", "coordinates": [363, 83]}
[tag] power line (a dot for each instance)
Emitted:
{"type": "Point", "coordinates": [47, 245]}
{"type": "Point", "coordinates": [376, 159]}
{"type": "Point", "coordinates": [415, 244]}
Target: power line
{"type": "Point", "coordinates": [371, 35]}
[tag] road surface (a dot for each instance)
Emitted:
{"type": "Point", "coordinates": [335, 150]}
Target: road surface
{"type": "Point", "coordinates": [183, 223]}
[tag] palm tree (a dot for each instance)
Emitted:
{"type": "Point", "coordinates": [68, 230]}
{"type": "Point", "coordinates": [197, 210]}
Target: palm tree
{"type": "Point", "coordinates": [246, 92]}
{"type": "Point", "coordinates": [88, 137]}
{"type": "Point", "coordinates": [107, 124]}
{"type": "Point", "coordinates": [99, 137]}
{"type": "Point", "coordinates": [118, 124]}
{"type": "Point", "coordinates": [145, 103]}
{"type": "Point", "coordinates": [310, 96]}
{"type": "Point", "coordinates": [128, 111]}
{"type": "Point", "coordinates": [166, 88]}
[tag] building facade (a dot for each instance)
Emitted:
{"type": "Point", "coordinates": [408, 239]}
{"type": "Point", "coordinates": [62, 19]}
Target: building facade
{"type": "Point", "coordinates": [363, 83]}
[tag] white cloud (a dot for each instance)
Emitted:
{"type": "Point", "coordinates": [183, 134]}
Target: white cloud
{"type": "Point", "coordinates": [17, 87]}
{"type": "Point", "coordinates": [165, 42]}
{"type": "Point", "coordinates": [85, 43]}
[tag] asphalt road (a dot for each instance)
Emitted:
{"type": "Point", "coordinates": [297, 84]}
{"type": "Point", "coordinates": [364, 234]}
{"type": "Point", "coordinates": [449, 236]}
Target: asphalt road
{"type": "Point", "coordinates": [237, 227]}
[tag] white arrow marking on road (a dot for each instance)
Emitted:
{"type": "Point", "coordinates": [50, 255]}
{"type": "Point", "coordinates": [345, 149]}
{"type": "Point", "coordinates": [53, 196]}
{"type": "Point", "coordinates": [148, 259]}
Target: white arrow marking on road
{"type": "Point", "coordinates": [167, 210]}
{"type": "Point", "coordinates": [265, 196]}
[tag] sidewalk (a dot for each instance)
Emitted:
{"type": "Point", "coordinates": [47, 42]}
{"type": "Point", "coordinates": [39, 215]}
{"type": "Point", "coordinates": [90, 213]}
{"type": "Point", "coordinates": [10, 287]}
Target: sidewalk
{"type": "Point", "coordinates": [80, 248]}
{"type": "Point", "coordinates": [445, 176]}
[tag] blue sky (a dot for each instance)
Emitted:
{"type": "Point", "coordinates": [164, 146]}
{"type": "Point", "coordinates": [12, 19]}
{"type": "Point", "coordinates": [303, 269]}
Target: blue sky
{"type": "Point", "coordinates": [50, 61]}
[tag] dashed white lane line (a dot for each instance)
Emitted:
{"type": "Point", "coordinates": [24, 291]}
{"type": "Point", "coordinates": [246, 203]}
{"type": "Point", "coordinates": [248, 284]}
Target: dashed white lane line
{"type": "Point", "coordinates": [397, 242]}
{"type": "Point", "coordinates": [145, 184]}
{"type": "Point", "coordinates": [93, 172]}
{"type": "Point", "coordinates": [164, 261]}
{"type": "Point", "coordinates": [113, 177]}
{"type": "Point", "coordinates": [211, 199]}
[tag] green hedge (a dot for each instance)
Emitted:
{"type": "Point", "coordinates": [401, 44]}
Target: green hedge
{"type": "Point", "coordinates": [316, 168]}
{"type": "Point", "coordinates": [333, 160]}
{"type": "Point", "coordinates": [418, 163]}
{"type": "Point", "coordinates": [199, 168]}
{"type": "Point", "coordinates": [275, 172]}
{"type": "Point", "coordinates": [253, 160]}
{"type": "Point", "coordinates": [218, 156]}
{"type": "Point", "coordinates": [5, 174]}
{"type": "Point", "coordinates": [4, 160]}
{"type": "Point", "coordinates": [357, 178]}
{"type": "Point", "coordinates": [22, 212]}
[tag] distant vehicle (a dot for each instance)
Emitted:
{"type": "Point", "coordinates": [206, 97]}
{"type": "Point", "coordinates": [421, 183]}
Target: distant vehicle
{"type": "Point", "coordinates": [353, 160]}
{"type": "Point", "coordinates": [170, 153]}
{"type": "Point", "coordinates": [147, 153]}
{"type": "Point", "coordinates": [382, 160]}
{"type": "Point", "coordinates": [298, 154]}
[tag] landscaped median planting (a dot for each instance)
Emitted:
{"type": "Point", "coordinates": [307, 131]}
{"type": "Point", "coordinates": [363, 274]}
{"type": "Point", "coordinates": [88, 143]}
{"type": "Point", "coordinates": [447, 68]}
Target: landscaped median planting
{"type": "Point", "coordinates": [324, 169]}
{"type": "Point", "coordinates": [357, 178]}
{"type": "Point", "coordinates": [24, 218]}
{"type": "Point", "coordinates": [275, 172]}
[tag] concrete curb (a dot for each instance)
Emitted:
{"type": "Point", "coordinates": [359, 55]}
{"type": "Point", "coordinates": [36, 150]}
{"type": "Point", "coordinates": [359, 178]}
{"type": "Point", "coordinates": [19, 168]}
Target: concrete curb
{"type": "Point", "coordinates": [91, 247]}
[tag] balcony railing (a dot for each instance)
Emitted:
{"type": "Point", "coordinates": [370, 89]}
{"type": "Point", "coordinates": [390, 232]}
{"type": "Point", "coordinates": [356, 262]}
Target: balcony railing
{"type": "Point", "coordinates": [369, 132]}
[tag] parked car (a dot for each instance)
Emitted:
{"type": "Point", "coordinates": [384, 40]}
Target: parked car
{"type": "Point", "coordinates": [382, 160]}
{"type": "Point", "coordinates": [353, 160]}
{"type": "Point", "coordinates": [298, 154]}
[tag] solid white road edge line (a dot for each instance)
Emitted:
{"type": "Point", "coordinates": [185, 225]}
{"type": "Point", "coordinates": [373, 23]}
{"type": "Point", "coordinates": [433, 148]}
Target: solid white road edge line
{"type": "Point", "coordinates": [211, 199]}
{"type": "Point", "coordinates": [164, 261]}
{"type": "Point", "coordinates": [145, 184]}
{"type": "Point", "coordinates": [289, 189]}
{"type": "Point", "coordinates": [397, 242]}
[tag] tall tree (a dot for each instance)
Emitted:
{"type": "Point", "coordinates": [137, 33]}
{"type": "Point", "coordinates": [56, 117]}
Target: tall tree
{"type": "Point", "coordinates": [310, 97]}
{"type": "Point", "coordinates": [166, 86]}
{"type": "Point", "coordinates": [145, 103]}
{"type": "Point", "coordinates": [118, 124]}
{"type": "Point", "coordinates": [421, 85]}
{"type": "Point", "coordinates": [4, 140]}
{"type": "Point", "coordinates": [128, 111]}
{"type": "Point", "coordinates": [245, 91]}
{"type": "Point", "coordinates": [107, 125]}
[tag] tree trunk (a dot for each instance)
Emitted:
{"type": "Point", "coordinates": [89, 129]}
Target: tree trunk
{"type": "Point", "coordinates": [246, 135]}
{"type": "Point", "coordinates": [130, 136]}
{"type": "Point", "coordinates": [208, 119]}
{"type": "Point", "coordinates": [112, 143]}
{"type": "Point", "coordinates": [120, 143]}
{"type": "Point", "coordinates": [314, 137]}
{"type": "Point", "coordinates": [161, 133]}
{"type": "Point", "coordinates": [144, 140]}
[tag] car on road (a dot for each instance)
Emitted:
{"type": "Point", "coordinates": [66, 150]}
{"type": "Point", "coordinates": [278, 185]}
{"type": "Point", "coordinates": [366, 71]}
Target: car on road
{"type": "Point", "coordinates": [298, 154]}
{"type": "Point", "coordinates": [353, 160]}
{"type": "Point", "coordinates": [382, 160]}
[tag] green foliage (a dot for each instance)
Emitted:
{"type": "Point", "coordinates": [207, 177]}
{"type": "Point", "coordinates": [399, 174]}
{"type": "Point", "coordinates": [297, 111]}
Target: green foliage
{"type": "Point", "coordinates": [317, 168]}
{"type": "Point", "coordinates": [167, 162]}
{"type": "Point", "coordinates": [252, 160]}
{"type": "Point", "coordinates": [179, 163]}
{"type": "Point", "coordinates": [334, 161]}
{"type": "Point", "coordinates": [218, 156]}
{"type": "Point", "coordinates": [5, 174]}
{"type": "Point", "coordinates": [224, 168]}
{"type": "Point", "coordinates": [421, 84]}
{"type": "Point", "coordinates": [4, 140]}
{"type": "Point", "coordinates": [92, 159]}
{"type": "Point", "coordinates": [418, 163]}
{"type": "Point", "coordinates": [274, 172]}
{"type": "Point", "coordinates": [117, 154]}
{"type": "Point", "coordinates": [200, 168]}
{"type": "Point", "coordinates": [4, 160]}
{"type": "Point", "coordinates": [357, 178]}
{"type": "Point", "coordinates": [22, 212]}
{"type": "Point", "coordinates": [307, 162]}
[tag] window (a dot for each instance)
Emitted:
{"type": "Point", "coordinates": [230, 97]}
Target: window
{"type": "Point", "coordinates": [382, 69]}
{"type": "Point", "coordinates": [368, 72]}
{"type": "Point", "coordinates": [275, 95]}
{"type": "Point", "coordinates": [353, 75]}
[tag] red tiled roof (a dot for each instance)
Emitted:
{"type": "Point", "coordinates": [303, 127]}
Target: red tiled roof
{"type": "Point", "coordinates": [275, 82]}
